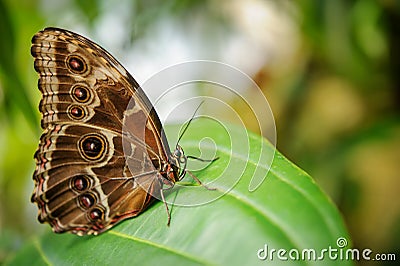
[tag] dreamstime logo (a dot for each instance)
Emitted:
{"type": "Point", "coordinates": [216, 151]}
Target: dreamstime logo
{"type": "Point", "coordinates": [341, 242]}
{"type": "Point", "coordinates": [340, 252]}
{"type": "Point", "coordinates": [228, 97]}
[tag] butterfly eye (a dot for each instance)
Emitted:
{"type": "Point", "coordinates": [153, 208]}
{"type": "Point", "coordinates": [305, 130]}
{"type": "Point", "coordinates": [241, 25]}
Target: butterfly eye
{"type": "Point", "coordinates": [177, 153]}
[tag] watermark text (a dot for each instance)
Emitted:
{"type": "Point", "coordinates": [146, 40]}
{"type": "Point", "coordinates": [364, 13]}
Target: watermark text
{"type": "Point", "coordinates": [338, 252]}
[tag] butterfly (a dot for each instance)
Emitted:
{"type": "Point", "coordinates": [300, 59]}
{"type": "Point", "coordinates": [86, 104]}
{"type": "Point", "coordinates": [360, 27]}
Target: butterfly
{"type": "Point", "coordinates": [103, 156]}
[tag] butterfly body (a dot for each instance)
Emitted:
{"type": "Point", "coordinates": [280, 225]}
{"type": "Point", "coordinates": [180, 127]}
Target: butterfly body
{"type": "Point", "coordinates": [103, 156]}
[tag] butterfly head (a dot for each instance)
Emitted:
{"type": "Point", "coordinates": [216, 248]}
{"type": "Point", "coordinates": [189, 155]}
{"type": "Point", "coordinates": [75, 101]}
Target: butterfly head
{"type": "Point", "coordinates": [178, 161]}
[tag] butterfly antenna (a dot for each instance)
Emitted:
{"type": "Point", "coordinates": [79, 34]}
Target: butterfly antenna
{"type": "Point", "coordinates": [183, 132]}
{"type": "Point", "coordinates": [188, 123]}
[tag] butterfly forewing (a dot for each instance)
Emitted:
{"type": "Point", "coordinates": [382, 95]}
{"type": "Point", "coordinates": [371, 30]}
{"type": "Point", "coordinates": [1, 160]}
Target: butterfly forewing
{"type": "Point", "coordinates": [82, 180]}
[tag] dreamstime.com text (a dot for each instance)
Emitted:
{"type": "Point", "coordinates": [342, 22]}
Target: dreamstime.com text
{"type": "Point", "coordinates": [340, 252]}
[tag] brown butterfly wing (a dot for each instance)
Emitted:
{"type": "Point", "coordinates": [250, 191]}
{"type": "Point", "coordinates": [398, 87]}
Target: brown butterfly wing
{"type": "Point", "coordinates": [82, 181]}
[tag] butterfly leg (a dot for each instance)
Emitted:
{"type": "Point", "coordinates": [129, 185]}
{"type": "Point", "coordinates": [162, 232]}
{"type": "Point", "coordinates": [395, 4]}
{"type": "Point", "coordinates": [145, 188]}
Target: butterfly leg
{"type": "Point", "coordinates": [199, 182]}
{"type": "Point", "coordinates": [166, 206]}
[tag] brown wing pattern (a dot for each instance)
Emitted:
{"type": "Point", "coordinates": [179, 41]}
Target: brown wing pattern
{"type": "Point", "coordinates": [82, 181]}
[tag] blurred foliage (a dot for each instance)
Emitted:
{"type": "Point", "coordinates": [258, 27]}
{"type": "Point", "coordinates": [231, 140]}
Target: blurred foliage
{"type": "Point", "coordinates": [336, 98]}
{"type": "Point", "coordinates": [340, 120]}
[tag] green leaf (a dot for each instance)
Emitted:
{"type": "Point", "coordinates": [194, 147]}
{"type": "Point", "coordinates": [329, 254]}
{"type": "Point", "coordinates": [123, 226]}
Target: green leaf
{"type": "Point", "coordinates": [287, 211]}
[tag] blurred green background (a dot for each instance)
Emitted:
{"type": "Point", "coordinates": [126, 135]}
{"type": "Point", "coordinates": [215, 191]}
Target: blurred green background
{"type": "Point", "coordinates": [329, 69]}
